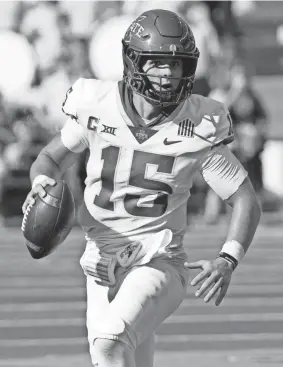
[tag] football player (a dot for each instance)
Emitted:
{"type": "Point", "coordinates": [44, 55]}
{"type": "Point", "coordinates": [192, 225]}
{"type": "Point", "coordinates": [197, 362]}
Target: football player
{"type": "Point", "coordinates": [147, 136]}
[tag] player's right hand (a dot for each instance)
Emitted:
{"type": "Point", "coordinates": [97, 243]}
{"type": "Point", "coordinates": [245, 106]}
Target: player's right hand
{"type": "Point", "coordinates": [37, 189]}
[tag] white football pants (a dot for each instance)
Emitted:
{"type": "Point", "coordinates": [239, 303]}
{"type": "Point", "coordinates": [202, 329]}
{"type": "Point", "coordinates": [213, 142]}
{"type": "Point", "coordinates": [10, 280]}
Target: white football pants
{"type": "Point", "coordinates": [131, 310]}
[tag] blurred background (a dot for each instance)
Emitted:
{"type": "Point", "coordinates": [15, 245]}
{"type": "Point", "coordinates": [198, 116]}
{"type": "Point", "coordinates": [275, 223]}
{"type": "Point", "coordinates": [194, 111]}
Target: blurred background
{"type": "Point", "coordinates": [46, 45]}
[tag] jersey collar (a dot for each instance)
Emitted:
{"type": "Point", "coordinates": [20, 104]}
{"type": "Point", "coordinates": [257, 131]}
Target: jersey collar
{"type": "Point", "coordinates": [127, 104]}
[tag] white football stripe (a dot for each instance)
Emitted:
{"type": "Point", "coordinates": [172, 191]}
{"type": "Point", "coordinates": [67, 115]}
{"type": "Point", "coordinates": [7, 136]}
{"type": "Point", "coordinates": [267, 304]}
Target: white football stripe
{"type": "Point", "coordinates": [235, 302]}
{"type": "Point", "coordinates": [172, 339]}
{"type": "Point", "coordinates": [42, 292]}
{"type": "Point", "coordinates": [179, 319]}
{"type": "Point", "coordinates": [81, 305]}
{"type": "Point", "coordinates": [259, 317]}
{"type": "Point", "coordinates": [41, 342]}
{"type": "Point", "coordinates": [48, 292]}
{"type": "Point", "coordinates": [23, 323]}
{"type": "Point", "coordinates": [37, 281]}
{"type": "Point", "coordinates": [175, 339]}
{"type": "Point", "coordinates": [44, 306]}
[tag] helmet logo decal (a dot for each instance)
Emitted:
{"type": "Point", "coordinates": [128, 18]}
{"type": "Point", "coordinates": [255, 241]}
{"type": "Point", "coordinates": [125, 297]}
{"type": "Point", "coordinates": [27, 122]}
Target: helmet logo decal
{"type": "Point", "coordinates": [141, 18]}
{"type": "Point", "coordinates": [137, 29]}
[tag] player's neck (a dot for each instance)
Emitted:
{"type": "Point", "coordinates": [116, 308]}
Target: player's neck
{"type": "Point", "coordinates": [144, 108]}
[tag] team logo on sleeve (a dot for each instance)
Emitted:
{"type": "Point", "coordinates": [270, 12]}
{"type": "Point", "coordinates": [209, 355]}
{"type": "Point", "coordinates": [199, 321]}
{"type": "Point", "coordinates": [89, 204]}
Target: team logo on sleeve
{"type": "Point", "coordinates": [92, 123]}
{"type": "Point", "coordinates": [109, 129]}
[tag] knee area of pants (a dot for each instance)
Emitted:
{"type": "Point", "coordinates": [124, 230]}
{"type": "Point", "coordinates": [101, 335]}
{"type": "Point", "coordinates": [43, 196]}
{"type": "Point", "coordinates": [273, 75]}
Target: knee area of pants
{"type": "Point", "coordinates": [108, 324]}
{"type": "Point", "coordinates": [109, 349]}
{"type": "Point", "coordinates": [110, 330]}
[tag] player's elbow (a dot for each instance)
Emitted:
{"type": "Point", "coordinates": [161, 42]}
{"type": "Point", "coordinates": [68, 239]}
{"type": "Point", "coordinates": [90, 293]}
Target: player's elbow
{"type": "Point", "coordinates": [246, 199]}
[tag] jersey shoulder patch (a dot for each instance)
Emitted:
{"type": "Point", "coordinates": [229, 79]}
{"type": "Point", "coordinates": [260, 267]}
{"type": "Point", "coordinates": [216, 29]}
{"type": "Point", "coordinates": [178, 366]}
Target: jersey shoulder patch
{"type": "Point", "coordinates": [212, 121]}
{"type": "Point", "coordinates": [83, 95]}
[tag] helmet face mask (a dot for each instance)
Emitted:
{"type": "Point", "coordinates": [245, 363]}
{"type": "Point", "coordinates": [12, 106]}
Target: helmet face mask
{"type": "Point", "coordinates": [159, 34]}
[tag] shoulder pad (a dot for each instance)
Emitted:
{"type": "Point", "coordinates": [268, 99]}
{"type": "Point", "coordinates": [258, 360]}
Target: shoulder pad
{"type": "Point", "coordinates": [224, 132]}
{"type": "Point", "coordinates": [83, 94]}
{"type": "Point", "coordinates": [213, 121]}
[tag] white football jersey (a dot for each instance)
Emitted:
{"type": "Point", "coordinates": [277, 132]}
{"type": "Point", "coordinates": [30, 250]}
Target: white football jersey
{"type": "Point", "coordinates": [139, 176]}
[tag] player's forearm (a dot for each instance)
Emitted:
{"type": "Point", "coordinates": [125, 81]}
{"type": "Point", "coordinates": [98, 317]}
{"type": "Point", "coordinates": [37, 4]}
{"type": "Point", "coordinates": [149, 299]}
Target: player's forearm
{"type": "Point", "coordinates": [245, 217]}
{"type": "Point", "coordinates": [45, 165]}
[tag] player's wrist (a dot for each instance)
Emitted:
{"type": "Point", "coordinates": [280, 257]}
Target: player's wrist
{"type": "Point", "coordinates": [223, 260]}
{"type": "Point", "coordinates": [233, 252]}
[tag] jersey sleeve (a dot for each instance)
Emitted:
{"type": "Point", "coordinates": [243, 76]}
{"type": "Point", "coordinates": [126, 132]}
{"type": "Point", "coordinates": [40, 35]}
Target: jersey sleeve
{"type": "Point", "coordinates": [74, 136]}
{"type": "Point", "coordinates": [223, 172]}
{"type": "Point", "coordinates": [72, 100]}
{"type": "Point", "coordinates": [224, 133]}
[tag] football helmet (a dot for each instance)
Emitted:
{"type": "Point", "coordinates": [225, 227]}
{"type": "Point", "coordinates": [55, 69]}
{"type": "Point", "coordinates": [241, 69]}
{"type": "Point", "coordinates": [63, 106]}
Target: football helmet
{"type": "Point", "coordinates": [159, 33]}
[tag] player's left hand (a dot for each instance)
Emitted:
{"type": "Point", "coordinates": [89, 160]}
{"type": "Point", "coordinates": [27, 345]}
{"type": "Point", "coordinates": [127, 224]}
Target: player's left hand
{"type": "Point", "coordinates": [215, 275]}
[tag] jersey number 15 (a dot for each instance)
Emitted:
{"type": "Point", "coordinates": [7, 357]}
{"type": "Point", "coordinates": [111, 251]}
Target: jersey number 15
{"type": "Point", "coordinates": [140, 160]}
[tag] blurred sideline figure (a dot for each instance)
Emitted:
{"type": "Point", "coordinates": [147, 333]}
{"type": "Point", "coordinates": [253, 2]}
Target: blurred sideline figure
{"type": "Point", "coordinates": [198, 17]}
{"type": "Point", "coordinates": [48, 31]}
{"type": "Point", "coordinates": [147, 136]}
{"type": "Point", "coordinates": [231, 84]}
{"type": "Point", "coordinates": [39, 25]}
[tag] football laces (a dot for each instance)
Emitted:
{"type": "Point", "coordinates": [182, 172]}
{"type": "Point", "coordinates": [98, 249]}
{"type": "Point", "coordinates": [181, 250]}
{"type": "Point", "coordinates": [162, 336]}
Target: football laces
{"type": "Point", "coordinates": [26, 216]}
